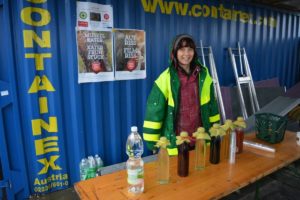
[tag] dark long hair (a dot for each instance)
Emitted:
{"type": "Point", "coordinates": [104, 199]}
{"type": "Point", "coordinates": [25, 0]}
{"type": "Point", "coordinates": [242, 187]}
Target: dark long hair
{"type": "Point", "coordinates": [180, 42]}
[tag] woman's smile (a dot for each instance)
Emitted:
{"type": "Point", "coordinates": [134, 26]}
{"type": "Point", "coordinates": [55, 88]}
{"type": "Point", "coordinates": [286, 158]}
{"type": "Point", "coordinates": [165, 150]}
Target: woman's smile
{"type": "Point", "coordinates": [185, 56]}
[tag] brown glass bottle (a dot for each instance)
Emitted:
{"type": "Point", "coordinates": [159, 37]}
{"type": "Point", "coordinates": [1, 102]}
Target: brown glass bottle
{"type": "Point", "coordinates": [183, 160]}
{"type": "Point", "coordinates": [215, 149]}
{"type": "Point", "coordinates": [239, 139]}
{"type": "Point", "coordinates": [227, 143]}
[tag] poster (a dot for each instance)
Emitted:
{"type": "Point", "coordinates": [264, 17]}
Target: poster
{"type": "Point", "coordinates": [130, 54]}
{"type": "Point", "coordinates": [94, 52]}
{"type": "Point", "coordinates": [94, 15]}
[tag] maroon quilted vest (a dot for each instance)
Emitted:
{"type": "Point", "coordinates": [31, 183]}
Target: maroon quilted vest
{"type": "Point", "coordinates": [189, 117]}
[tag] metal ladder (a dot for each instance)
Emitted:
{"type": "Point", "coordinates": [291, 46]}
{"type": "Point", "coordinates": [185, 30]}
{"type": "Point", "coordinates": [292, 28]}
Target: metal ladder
{"type": "Point", "coordinates": [207, 52]}
{"type": "Point", "coordinates": [243, 77]}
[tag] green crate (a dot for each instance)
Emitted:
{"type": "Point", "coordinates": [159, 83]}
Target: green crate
{"type": "Point", "coordinates": [270, 127]}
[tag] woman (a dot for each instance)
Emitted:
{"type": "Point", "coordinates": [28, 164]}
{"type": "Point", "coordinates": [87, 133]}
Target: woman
{"type": "Point", "coordinates": [182, 97]}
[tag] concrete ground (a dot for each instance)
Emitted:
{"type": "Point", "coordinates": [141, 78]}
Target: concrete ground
{"type": "Point", "coordinates": [281, 185]}
{"type": "Point", "coordinates": [68, 194]}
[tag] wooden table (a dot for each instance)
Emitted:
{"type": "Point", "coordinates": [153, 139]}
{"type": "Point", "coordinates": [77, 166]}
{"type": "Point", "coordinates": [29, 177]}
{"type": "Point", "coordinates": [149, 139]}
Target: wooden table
{"type": "Point", "coordinates": [214, 182]}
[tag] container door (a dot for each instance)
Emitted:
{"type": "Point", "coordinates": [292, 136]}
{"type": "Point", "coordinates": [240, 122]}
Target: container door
{"type": "Point", "coordinates": [5, 186]}
{"type": "Point", "coordinates": [2, 190]}
{"type": "Point", "coordinates": [12, 175]}
{"type": "Point", "coordinates": [13, 184]}
{"type": "Point", "coordinates": [2, 181]}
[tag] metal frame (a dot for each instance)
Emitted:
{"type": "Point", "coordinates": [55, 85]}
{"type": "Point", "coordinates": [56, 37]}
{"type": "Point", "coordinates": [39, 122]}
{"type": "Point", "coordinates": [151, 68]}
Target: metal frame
{"type": "Point", "coordinates": [243, 76]}
{"type": "Point", "coordinates": [207, 52]}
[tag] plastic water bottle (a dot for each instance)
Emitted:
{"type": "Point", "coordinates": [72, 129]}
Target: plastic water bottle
{"type": "Point", "coordinates": [91, 173]}
{"type": "Point", "coordinates": [135, 164]}
{"type": "Point", "coordinates": [83, 168]}
{"type": "Point", "coordinates": [99, 165]}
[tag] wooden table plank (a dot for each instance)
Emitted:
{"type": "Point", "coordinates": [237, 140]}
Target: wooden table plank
{"type": "Point", "coordinates": [214, 182]}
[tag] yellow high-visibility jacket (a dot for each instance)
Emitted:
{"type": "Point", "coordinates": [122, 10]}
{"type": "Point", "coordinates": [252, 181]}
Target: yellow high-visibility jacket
{"type": "Point", "coordinates": [162, 107]}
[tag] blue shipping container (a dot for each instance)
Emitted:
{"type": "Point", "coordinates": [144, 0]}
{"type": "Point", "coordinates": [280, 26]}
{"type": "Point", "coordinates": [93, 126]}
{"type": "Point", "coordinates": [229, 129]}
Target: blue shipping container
{"type": "Point", "coordinates": [48, 121]}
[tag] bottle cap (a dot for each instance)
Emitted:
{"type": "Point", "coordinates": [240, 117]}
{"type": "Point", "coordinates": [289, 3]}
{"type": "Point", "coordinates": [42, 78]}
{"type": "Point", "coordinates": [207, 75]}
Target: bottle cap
{"type": "Point", "coordinates": [134, 129]}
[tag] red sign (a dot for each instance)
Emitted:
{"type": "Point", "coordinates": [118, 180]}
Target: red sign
{"type": "Point", "coordinates": [83, 24]}
{"type": "Point", "coordinates": [106, 16]}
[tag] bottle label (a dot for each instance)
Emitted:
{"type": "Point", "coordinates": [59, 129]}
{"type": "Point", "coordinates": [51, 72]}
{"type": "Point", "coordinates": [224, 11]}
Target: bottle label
{"type": "Point", "coordinates": [91, 173]}
{"type": "Point", "coordinates": [135, 176]}
{"type": "Point", "coordinates": [83, 175]}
